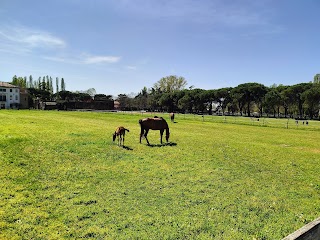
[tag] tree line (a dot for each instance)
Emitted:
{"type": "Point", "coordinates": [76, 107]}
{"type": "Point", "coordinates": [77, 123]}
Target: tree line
{"type": "Point", "coordinates": [247, 99]}
{"type": "Point", "coordinates": [170, 94]}
{"type": "Point", "coordinates": [43, 89]}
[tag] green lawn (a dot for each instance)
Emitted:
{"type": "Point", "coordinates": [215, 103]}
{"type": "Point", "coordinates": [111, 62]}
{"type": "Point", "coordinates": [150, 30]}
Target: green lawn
{"type": "Point", "coordinates": [62, 177]}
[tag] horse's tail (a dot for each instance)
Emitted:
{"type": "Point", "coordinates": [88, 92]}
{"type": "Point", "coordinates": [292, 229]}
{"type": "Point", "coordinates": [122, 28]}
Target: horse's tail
{"type": "Point", "coordinates": [126, 130]}
{"type": "Point", "coordinates": [167, 134]}
{"type": "Point", "coordinates": [142, 129]}
{"type": "Point", "coordinates": [140, 122]}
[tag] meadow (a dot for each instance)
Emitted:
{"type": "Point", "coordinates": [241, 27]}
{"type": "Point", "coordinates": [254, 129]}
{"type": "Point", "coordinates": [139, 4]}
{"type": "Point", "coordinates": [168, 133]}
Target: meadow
{"type": "Point", "coordinates": [62, 177]}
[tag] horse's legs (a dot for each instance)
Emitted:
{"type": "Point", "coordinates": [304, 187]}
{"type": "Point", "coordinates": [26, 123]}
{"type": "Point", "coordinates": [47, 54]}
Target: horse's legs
{"type": "Point", "coordinates": [145, 135]}
{"type": "Point", "coordinates": [161, 133]}
{"type": "Point", "coordinates": [141, 133]}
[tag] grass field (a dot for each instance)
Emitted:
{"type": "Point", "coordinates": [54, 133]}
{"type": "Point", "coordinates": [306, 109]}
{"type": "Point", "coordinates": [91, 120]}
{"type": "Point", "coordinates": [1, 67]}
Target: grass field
{"type": "Point", "coordinates": [62, 177]}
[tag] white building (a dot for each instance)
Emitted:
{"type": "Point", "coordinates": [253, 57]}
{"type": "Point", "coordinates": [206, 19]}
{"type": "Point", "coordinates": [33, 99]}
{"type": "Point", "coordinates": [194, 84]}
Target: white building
{"type": "Point", "coordinates": [9, 96]}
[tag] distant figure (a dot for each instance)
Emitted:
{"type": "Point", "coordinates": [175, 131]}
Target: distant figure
{"type": "Point", "coordinates": [120, 133]}
{"type": "Point", "coordinates": [154, 124]}
{"type": "Point", "coordinates": [307, 122]}
{"type": "Point", "coordinates": [172, 117]}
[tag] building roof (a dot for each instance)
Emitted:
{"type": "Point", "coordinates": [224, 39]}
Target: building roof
{"type": "Point", "coordinates": [8, 85]}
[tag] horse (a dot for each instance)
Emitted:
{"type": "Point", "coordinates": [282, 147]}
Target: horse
{"type": "Point", "coordinates": [156, 123]}
{"type": "Point", "coordinates": [120, 133]}
{"type": "Point", "coordinates": [172, 117]}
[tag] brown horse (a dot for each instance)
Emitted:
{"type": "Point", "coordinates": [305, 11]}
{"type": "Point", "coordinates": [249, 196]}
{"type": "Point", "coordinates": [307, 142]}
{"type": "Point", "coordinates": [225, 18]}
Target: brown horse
{"type": "Point", "coordinates": [172, 117]}
{"type": "Point", "coordinates": [153, 124]}
{"type": "Point", "coordinates": [120, 133]}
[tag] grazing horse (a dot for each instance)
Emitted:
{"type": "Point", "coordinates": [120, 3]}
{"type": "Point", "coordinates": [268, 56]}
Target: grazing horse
{"type": "Point", "coordinates": [120, 133]}
{"type": "Point", "coordinates": [153, 124]}
{"type": "Point", "coordinates": [172, 117]}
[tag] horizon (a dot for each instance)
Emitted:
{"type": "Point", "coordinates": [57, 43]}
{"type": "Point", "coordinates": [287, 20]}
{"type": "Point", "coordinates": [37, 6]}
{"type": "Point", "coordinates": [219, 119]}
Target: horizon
{"type": "Point", "coordinates": [120, 47]}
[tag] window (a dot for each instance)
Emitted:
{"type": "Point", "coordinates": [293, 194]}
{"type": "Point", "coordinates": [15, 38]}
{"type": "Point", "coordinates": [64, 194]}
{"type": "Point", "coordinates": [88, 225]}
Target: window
{"type": "Point", "coordinates": [10, 90]}
{"type": "Point", "coordinates": [3, 90]}
{"type": "Point", "coordinates": [3, 98]}
{"type": "Point", "coordinates": [16, 97]}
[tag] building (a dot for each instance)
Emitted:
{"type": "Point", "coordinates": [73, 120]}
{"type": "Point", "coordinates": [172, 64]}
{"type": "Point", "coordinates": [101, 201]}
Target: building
{"type": "Point", "coordinates": [9, 96]}
{"type": "Point", "coordinates": [316, 78]}
{"type": "Point", "coordinates": [24, 99]}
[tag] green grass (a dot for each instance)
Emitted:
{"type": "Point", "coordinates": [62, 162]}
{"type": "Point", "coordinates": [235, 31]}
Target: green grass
{"type": "Point", "coordinates": [62, 177]}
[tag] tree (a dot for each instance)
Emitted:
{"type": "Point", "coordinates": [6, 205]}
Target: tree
{"type": "Point", "coordinates": [57, 84]}
{"type": "Point", "coordinates": [185, 102]}
{"type": "Point", "coordinates": [170, 84]}
{"type": "Point", "coordinates": [63, 85]}
{"type": "Point", "coordinates": [125, 102]}
{"type": "Point", "coordinates": [141, 99]}
{"type": "Point", "coordinates": [238, 98]}
{"type": "Point", "coordinates": [91, 92]}
{"type": "Point", "coordinates": [101, 97]}
{"type": "Point", "coordinates": [19, 81]}
{"type": "Point", "coordinates": [223, 98]}
{"type": "Point", "coordinates": [316, 78]}
{"type": "Point", "coordinates": [273, 101]}
{"type": "Point", "coordinates": [249, 93]}
{"type": "Point", "coordinates": [293, 95]}
{"type": "Point", "coordinates": [311, 98]}
{"type": "Point", "coordinates": [30, 82]}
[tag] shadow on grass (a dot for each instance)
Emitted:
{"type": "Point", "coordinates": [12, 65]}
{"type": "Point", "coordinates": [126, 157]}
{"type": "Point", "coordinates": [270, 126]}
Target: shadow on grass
{"type": "Point", "coordinates": [171, 144]}
{"type": "Point", "coordinates": [127, 148]}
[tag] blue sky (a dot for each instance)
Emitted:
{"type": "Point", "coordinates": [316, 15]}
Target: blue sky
{"type": "Point", "coordinates": [120, 46]}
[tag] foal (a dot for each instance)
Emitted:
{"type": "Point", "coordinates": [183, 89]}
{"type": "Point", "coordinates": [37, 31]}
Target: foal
{"type": "Point", "coordinates": [120, 133]}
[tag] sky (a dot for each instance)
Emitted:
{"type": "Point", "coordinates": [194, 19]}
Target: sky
{"type": "Point", "coordinates": [122, 46]}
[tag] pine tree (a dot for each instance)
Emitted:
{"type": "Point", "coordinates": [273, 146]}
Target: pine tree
{"type": "Point", "coordinates": [57, 85]}
{"type": "Point", "coordinates": [30, 82]}
{"type": "Point", "coordinates": [63, 86]}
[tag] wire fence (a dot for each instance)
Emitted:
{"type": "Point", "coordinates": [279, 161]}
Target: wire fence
{"type": "Point", "coordinates": [287, 123]}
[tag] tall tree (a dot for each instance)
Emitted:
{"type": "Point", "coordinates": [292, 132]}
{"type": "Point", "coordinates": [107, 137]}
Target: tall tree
{"type": "Point", "coordinates": [170, 83]}
{"type": "Point", "coordinates": [30, 82]}
{"type": "Point", "coordinates": [57, 85]}
{"type": "Point", "coordinates": [311, 98]}
{"type": "Point", "coordinates": [293, 95]}
{"type": "Point", "coordinates": [223, 98]}
{"type": "Point", "coordinates": [273, 101]}
{"type": "Point", "coordinates": [50, 85]}
{"type": "Point", "coordinates": [63, 85]}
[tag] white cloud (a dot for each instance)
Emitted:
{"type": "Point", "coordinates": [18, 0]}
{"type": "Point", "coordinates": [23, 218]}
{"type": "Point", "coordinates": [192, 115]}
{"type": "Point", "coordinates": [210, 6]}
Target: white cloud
{"type": "Point", "coordinates": [43, 39]}
{"type": "Point", "coordinates": [131, 67]}
{"type": "Point", "coordinates": [84, 59]}
{"type": "Point", "coordinates": [22, 39]}
{"type": "Point", "coordinates": [101, 59]}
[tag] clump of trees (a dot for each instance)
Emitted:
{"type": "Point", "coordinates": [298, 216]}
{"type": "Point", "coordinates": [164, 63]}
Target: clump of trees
{"type": "Point", "coordinates": [247, 99]}
{"type": "Point", "coordinates": [170, 94]}
{"type": "Point", "coordinates": [42, 90]}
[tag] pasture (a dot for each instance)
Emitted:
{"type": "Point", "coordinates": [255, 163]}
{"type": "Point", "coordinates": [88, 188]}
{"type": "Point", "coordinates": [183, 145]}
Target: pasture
{"type": "Point", "coordinates": [62, 177]}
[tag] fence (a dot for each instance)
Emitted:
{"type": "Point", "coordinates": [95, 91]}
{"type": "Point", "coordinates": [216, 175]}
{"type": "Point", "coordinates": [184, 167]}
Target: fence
{"type": "Point", "coordinates": [288, 123]}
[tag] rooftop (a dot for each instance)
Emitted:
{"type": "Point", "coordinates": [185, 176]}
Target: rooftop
{"type": "Point", "coordinates": [8, 85]}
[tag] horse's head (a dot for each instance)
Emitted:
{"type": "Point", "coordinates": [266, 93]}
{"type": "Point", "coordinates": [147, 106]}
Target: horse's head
{"type": "Point", "coordinates": [114, 136]}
